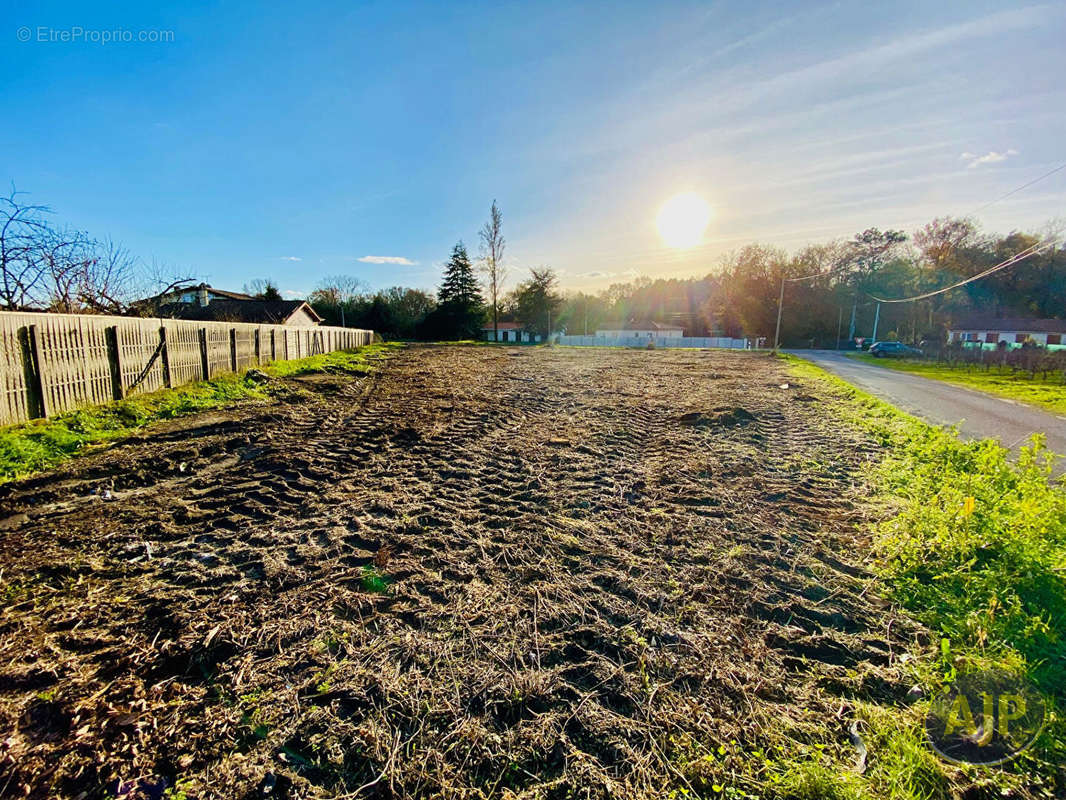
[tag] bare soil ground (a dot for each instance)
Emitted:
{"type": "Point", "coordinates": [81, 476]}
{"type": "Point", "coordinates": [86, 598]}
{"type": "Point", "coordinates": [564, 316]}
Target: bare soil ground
{"type": "Point", "coordinates": [609, 573]}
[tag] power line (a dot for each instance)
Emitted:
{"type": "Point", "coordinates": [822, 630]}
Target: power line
{"type": "Point", "coordinates": [979, 208]}
{"type": "Point", "coordinates": [1015, 191]}
{"type": "Point", "coordinates": [1017, 257]}
{"type": "Point", "coordinates": [1032, 250]}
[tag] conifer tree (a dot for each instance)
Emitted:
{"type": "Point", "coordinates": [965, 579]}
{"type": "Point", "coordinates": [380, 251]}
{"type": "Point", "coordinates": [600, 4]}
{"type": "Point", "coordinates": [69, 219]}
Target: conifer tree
{"type": "Point", "coordinates": [460, 287]}
{"type": "Point", "coordinates": [459, 303]}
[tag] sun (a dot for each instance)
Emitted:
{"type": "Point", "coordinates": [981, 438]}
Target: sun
{"type": "Point", "coordinates": [682, 220]}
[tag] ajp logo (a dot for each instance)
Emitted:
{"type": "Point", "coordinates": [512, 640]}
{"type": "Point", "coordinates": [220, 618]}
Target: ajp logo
{"type": "Point", "coordinates": [985, 718]}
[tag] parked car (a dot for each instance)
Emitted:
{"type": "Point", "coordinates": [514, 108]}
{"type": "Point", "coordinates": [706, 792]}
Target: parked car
{"type": "Point", "coordinates": [893, 350]}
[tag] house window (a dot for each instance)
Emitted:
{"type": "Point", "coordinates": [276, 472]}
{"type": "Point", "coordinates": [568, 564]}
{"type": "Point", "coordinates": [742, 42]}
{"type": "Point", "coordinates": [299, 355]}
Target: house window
{"type": "Point", "coordinates": [969, 337]}
{"type": "Point", "coordinates": [1054, 338]}
{"type": "Point", "coordinates": [991, 338]}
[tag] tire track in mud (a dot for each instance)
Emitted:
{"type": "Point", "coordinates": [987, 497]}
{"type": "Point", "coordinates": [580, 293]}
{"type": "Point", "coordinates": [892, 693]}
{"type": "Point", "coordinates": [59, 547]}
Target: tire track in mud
{"type": "Point", "coordinates": [600, 560]}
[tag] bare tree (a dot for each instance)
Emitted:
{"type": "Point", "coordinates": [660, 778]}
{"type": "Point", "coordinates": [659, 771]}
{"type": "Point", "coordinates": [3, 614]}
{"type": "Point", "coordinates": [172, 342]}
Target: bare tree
{"type": "Point", "coordinates": [22, 272]}
{"type": "Point", "coordinates": [492, 247]}
{"type": "Point", "coordinates": [161, 278]}
{"type": "Point", "coordinates": [66, 258]}
{"type": "Point", "coordinates": [263, 289]}
{"type": "Point", "coordinates": [338, 290]}
{"type": "Point", "coordinates": [110, 279]}
{"type": "Point", "coordinates": [67, 271]}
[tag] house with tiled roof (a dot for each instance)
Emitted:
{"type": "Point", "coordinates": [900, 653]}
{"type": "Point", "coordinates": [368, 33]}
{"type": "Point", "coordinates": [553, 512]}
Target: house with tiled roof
{"type": "Point", "coordinates": [205, 303]}
{"type": "Point", "coordinates": [988, 332]}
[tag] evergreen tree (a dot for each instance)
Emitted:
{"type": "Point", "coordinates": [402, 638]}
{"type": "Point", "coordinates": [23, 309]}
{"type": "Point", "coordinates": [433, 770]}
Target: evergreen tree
{"type": "Point", "coordinates": [459, 287]}
{"type": "Point", "coordinates": [460, 307]}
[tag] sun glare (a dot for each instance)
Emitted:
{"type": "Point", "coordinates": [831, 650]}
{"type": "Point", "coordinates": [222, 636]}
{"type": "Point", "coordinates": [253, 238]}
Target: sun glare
{"type": "Point", "coordinates": [682, 220]}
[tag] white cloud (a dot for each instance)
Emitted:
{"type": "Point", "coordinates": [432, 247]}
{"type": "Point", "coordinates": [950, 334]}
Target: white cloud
{"type": "Point", "coordinates": [294, 295]}
{"type": "Point", "coordinates": [291, 258]}
{"type": "Point", "coordinates": [991, 157]}
{"type": "Point", "coordinates": [387, 260]}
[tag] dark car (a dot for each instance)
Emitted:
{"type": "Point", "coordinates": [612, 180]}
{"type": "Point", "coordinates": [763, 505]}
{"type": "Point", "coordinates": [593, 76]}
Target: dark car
{"type": "Point", "coordinates": [893, 350]}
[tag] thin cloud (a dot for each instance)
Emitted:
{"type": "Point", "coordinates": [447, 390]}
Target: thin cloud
{"type": "Point", "coordinates": [991, 157]}
{"type": "Point", "coordinates": [292, 294]}
{"type": "Point", "coordinates": [387, 260]}
{"type": "Point", "coordinates": [291, 258]}
{"type": "Point", "coordinates": [595, 274]}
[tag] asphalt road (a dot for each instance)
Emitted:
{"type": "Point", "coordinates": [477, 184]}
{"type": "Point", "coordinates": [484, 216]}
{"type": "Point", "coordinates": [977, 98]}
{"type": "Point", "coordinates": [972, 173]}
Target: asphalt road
{"type": "Point", "coordinates": [978, 415]}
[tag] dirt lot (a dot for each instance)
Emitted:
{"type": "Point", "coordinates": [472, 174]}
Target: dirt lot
{"type": "Point", "coordinates": [481, 571]}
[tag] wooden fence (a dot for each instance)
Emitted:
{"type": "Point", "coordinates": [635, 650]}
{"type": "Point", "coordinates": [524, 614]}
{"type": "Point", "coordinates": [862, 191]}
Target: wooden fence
{"type": "Point", "coordinates": [51, 363]}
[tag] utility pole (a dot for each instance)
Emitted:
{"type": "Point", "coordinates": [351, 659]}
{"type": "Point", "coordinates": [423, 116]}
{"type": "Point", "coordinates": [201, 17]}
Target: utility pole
{"type": "Point", "coordinates": [780, 303]}
{"type": "Point", "coordinates": [840, 321]}
{"type": "Point", "coordinates": [877, 317]}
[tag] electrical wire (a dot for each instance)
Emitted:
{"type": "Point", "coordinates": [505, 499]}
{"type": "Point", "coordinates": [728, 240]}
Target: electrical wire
{"type": "Point", "coordinates": [1015, 191]}
{"type": "Point", "coordinates": [1032, 250]}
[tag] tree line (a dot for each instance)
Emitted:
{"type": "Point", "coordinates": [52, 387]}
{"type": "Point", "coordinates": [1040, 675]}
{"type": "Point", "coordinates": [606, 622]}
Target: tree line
{"type": "Point", "coordinates": [61, 269]}
{"type": "Point", "coordinates": [739, 295]}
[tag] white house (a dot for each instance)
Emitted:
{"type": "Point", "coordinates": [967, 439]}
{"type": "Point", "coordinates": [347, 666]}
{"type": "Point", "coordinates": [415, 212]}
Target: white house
{"type": "Point", "coordinates": [641, 329]}
{"type": "Point", "coordinates": [508, 332]}
{"type": "Point", "coordinates": [990, 333]}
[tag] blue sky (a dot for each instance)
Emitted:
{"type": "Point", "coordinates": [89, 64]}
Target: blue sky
{"type": "Point", "coordinates": [332, 131]}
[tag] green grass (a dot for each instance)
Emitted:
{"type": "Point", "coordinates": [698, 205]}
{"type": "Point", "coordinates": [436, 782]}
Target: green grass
{"type": "Point", "coordinates": [1047, 394]}
{"type": "Point", "coordinates": [976, 550]}
{"type": "Point", "coordinates": [356, 362]}
{"type": "Point", "coordinates": [41, 444]}
{"type": "Point", "coordinates": [374, 581]}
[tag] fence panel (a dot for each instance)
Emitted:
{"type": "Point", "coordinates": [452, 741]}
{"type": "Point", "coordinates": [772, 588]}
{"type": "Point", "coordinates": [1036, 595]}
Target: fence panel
{"type": "Point", "coordinates": [14, 391]}
{"type": "Point", "coordinates": [244, 339]}
{"type": "Point", "coordinates": [51, 363]}
{"type": "Point", "coordinates": [183, 351]}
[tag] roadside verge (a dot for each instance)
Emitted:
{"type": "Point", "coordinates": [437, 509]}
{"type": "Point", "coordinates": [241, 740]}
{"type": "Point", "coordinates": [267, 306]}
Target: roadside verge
{"type": "Point", "coordinates": [1047, 395]}
{"type": "Point", "coordinates": [974, 546]}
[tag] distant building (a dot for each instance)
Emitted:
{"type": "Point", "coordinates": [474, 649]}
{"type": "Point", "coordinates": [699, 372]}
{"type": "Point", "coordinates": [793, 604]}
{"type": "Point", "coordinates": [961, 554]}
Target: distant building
{"type": "Point", "coordinates": [641, 329]}
{"type": "Point", "coordinates": [202, 295]}
{"type": "Point", "coordinates": [508, 332]}
{"type": "Point", "coordinates": [990, 332]}
{"type": "Point", "coordinates": [205, 303]}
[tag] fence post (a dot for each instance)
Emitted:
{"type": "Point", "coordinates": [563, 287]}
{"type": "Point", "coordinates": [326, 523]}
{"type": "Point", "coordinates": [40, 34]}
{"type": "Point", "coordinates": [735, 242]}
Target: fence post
{"type": "Point", "coordinates": [273, 345]}
{"type": "Point", "coordinates": [164, 356]}
{"type": "Point", "coordinates": [205, 367]}
{"type": "Point", "coordinates": [33, 368]}
{"type": "Point", "coordinates": [233, 349]}
{"type": "Point", "coordinates": [258, 351]}
{"type": "Point", "coordinates": [114, 360]}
